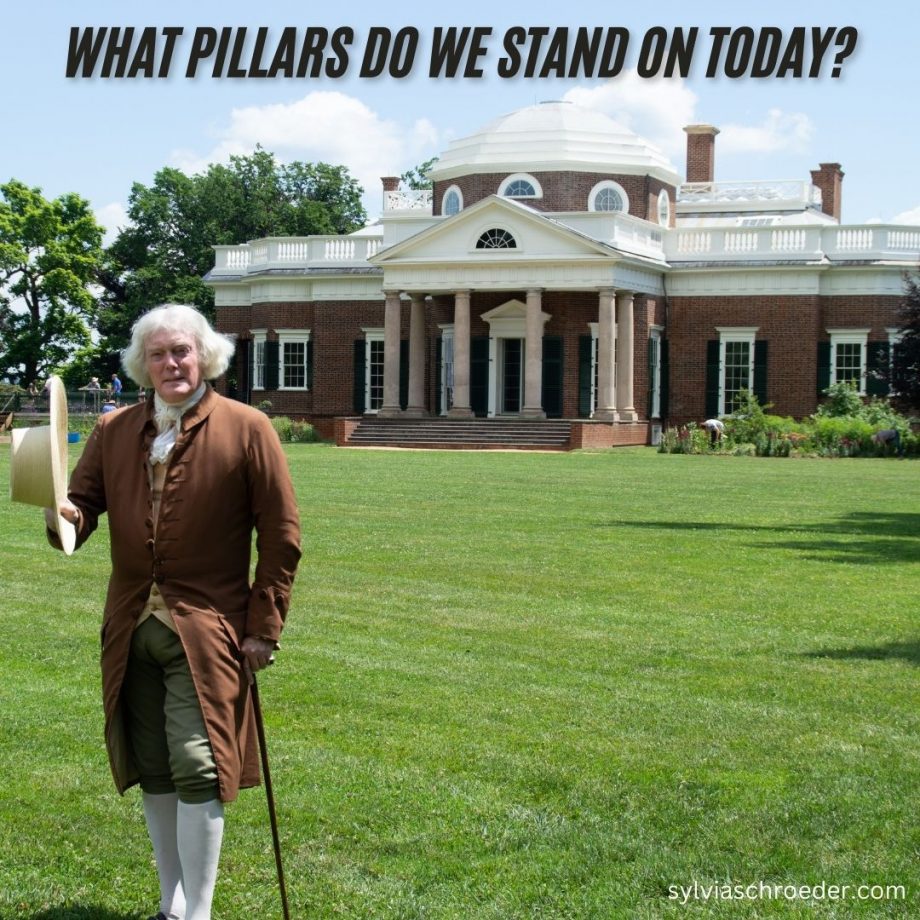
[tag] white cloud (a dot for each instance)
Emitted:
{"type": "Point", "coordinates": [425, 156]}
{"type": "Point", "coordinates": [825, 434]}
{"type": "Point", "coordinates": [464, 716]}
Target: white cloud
{"type": "Point", "coordinates": [908, 217]}
{"type": "Point", "coordinates": [657, 109]}
{"type": "Point", "coordinates": [323, 126]}
{"type": "Point", "coordinates": [778, 131]}
{"type": "Point", "coordinates": [113, 217]}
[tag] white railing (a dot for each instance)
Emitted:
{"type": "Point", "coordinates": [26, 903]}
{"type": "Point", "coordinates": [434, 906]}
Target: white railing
{"type": "Point", "coordinates": [295, 252]}
{"type": "Point", "coordinates": [741, 195]}
{"type": "Point", "coordinates": [408, 200]}
{"type": "Point", "coordinates": [809, 243]}
{"type": "Point", "coordinates": [631, 234]}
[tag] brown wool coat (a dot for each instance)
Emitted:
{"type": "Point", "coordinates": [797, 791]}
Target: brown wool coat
{"type": "Point", "coordinates": [227, 477]}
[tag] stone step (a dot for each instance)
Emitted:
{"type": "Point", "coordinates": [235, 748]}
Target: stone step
{"type": "Point", "coordinates": [521, 434]}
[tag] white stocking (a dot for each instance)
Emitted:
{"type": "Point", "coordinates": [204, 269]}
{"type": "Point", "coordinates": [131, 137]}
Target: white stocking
{"type": "Point", "coordinates": [161, 812]}
{"type": "Point", "coordinates": [200, 831]}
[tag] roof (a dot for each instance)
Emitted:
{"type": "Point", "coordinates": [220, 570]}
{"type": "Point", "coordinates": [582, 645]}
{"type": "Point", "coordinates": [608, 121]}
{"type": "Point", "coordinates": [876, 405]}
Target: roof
{"type": "Point", "coordinates": [554, 136]}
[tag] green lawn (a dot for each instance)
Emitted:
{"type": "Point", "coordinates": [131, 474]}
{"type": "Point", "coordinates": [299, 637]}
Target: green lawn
{"type": "Point", "coordinates": [520, 685]}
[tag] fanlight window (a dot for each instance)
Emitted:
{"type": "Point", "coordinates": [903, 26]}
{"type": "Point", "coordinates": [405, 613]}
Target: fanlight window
{"type": "Point", "coordinates": [520, 188]}
{"type": "Point", "coordinates": [496, 239]}
{"type": "Point", "coordinates": [608, 199]}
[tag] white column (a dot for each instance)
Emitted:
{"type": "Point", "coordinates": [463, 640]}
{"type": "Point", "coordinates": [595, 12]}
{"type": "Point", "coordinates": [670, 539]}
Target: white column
{"type": "Point", "coordinates": [461, 407]}
{"type": "Point", "coordinates": [624, 387]}
{"type": "Point", "coordinates": [605, 408]}
{"type": "Point", "coordinates": [392, 332]}
{"type": "Point", "coordinates": [533, 357]}
{"type": "Point", "coordinates": [416, 406]}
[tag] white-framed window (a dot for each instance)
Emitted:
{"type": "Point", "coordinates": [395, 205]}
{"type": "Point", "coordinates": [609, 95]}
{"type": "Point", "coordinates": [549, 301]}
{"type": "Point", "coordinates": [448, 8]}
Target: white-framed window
{"type": "Point", "coordinates": [293, 354]}
{"type": "Point", "coordinates": [373, 363]}
{"type": "Point", "coordinates": [664, 208]}
{"type": "Point", "coordinates": [736, 365]}
{"type": "Point", "coordinates": [608, 196]}
{"type": "Point", "coordinates": [520, 185]}
{"type": "Point", "coordinates": [848, 357]}
{"type": "Point", "coordinates": [452, 202]}
{"type": "Point", "coordinates": [258, 358]}
{"type": "Point", "coordinates": [654, 361]}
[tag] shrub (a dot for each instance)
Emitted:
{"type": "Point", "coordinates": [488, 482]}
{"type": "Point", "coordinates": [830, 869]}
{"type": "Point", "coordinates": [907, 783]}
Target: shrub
{"type": "Point", "coordinates": [296, 432]}
{"type": "Point", "coordinates": [842, 399]}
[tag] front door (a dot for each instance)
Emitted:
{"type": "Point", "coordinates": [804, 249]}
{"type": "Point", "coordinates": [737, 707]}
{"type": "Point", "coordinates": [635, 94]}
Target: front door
{"type": "Point", "coordinates": [512, 376]}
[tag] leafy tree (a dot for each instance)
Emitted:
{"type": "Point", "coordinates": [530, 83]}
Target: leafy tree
{"type": "Point", "coordinates": [905, 377]}
{"type": "Point", "coordinates": [50, 253]}
{"type": "Point", "coordinates": [164, 253]}
{"type": "Point", "coordinates": [417, 177]}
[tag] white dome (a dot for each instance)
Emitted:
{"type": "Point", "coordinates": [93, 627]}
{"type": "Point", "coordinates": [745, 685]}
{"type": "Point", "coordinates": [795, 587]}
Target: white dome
{"type": "Point", "coordinates": [554, 136]}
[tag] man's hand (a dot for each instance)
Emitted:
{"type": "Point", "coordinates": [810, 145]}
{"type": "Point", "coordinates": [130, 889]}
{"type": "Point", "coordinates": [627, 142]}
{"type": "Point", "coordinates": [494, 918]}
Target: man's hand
{"type": "Point", "coordinates": [257, 654]}
{"type": "Point", "coordinates": [67, 510]}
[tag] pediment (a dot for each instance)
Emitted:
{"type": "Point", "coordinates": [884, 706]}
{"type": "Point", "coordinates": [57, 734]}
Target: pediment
{"type": "Point", "coordinates": [536, 237]}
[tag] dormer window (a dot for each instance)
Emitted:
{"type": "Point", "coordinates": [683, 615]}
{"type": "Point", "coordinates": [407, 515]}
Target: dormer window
{"type": "Point", "coordinates": [608, 196]}
{"type": "Point", "coordinates": [520, 186]}
{"type": "Point", "coordinates": [496, 238]}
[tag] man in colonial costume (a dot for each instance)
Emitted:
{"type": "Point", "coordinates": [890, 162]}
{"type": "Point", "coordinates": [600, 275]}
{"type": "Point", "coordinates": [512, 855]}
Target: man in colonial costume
{"type": "Point", "coordinates": [185, 479]}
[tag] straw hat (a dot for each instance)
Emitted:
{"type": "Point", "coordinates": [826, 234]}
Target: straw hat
{"type": "Point", "coordinates": [38, 467]}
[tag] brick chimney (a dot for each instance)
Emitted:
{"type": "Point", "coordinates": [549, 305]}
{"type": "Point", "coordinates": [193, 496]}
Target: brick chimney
{"type": "Point", "coordinates": [829, 178]}
{"type": "Point", "coordinates": [390, 183]}
{"type": "Point", "coordinates": [701, 153]}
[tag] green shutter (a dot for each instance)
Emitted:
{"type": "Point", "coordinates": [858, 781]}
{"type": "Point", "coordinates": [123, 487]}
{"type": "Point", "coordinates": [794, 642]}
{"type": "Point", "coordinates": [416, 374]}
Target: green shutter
{"type": "Point", "coordinates": [272, 360]}
{"type": "Point", "coordinates": [584, 375]}
{"type": "Point", "coordinates": [479, 375]}
{"type": "Point", "coordinates": [713, 373]}
{"type": "Point", "coordinates": [878, 372]}
{"type": "Point", "coordinates": [310, 364]}
{"type": "Point", "coordinates": [403, 373]}
{"type": "Point", "coordinates": [824, 367]}
{"type": "Point", "coordinates": [760, 372]}
{"type": "Point", "coordinates": [551, 392]}
{"type": "Point", "coordinates": [360, 371]}
{"type": "Point", "coordinates": [665, 379]}
{"type": "Point", "coordinates": [244, 374]}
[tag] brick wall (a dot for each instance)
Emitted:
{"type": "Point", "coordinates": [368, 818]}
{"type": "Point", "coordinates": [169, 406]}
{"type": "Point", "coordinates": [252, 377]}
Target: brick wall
{"type": "Point", "coordinates": [562, 191]}
{"type": "Point", "coordinates": [792, 326]}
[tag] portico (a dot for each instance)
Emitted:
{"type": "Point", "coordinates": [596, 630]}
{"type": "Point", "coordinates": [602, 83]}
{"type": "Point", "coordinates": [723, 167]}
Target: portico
{"type": "Point", "coordinates": [516, 322]}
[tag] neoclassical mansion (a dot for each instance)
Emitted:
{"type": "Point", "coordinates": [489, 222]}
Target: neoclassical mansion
{"type": "Point", "coordinates": [561, 267]}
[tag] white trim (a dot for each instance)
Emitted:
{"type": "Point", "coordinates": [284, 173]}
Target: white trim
{"type": "Point", "coordinates": [845, 336]}
{"type": "Point", "coordinates": [293, 337]}
{"type": "Point", "coordinates": [371, 334]}
{"type": "Point", "coordinates": [734, 334]}
{"type": "Point", "coordinates": [256, 365]}
{"type": "Point", "coordinates": [614, 186]}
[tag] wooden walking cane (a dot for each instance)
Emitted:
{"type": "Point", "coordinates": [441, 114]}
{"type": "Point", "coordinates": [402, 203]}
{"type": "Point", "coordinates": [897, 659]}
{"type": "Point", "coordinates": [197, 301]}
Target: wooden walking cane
{"type": "Point", "coordinates": [269, 794]}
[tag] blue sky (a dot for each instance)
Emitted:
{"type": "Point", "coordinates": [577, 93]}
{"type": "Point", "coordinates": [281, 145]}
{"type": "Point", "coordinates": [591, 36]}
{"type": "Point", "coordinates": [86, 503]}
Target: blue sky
{"type": "Point", "coordinates": [97, 136]}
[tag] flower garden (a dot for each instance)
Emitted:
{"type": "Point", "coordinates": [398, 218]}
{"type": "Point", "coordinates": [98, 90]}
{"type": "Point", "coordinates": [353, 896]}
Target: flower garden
{"type": "Point", "coordinates": [845, 425]}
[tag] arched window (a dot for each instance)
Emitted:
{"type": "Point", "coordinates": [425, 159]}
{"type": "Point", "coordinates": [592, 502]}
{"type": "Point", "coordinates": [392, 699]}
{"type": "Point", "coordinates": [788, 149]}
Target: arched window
{"type": "Point", "coordinates": [608, 196]}
{"type": "Point", "coordinates": [520, 185]}
{"type": "Point", "coordinates": [664, 208]}
{"type": "Point", "coordinates": [496, 239]}
{"type": "Point", "coordinates": [520, 188]}
{"type": "Point", "coordinates": [452, 202]}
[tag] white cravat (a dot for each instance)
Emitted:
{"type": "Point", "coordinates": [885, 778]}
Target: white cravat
{"type": "Point", "coordinates": [168, 419]}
